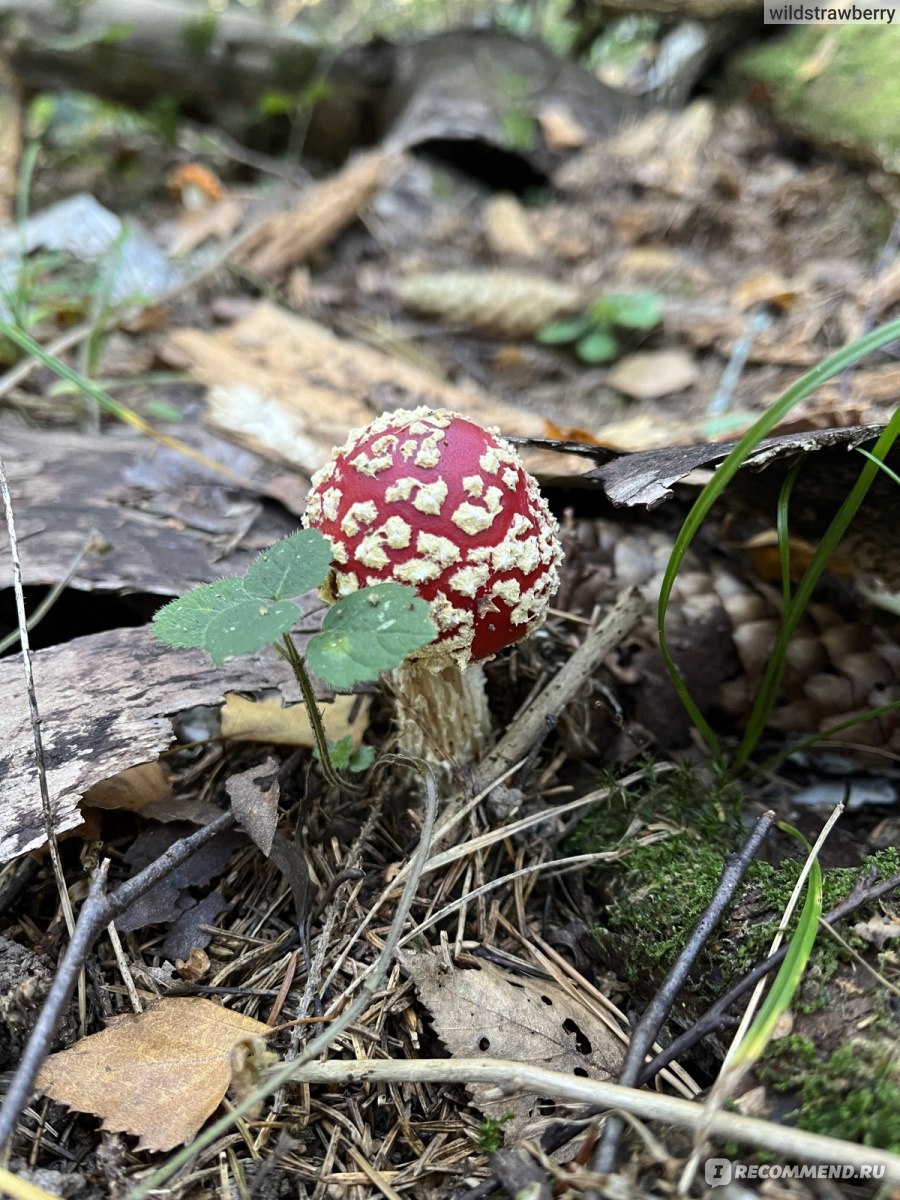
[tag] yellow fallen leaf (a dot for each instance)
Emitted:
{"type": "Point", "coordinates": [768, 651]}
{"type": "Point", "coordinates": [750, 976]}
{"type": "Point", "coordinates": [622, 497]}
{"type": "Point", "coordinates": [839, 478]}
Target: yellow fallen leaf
{"type": "Point", "coordinates": [132, 789]}
{"type": "Point", "coordinates": [157, 1075]}
{"type": "Point", "coordinates": [270, 720]}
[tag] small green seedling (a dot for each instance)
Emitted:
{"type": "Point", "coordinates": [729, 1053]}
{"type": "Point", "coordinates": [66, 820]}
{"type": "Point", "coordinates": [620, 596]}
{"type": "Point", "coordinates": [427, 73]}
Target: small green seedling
{"type": "Point", "coordinates": [363, 634]}
{"type": "Point", "coordinates": [345, 757]}
{"type": "Point", "coordinates": [490, 1132]}
{"type": "Point", "coordinates": [593, 333]}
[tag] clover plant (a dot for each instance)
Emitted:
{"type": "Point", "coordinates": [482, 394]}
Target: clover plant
{"type": "Point", "coordinates": [593, 332]}
{"type": "Point", "coordinates": [370, 631]}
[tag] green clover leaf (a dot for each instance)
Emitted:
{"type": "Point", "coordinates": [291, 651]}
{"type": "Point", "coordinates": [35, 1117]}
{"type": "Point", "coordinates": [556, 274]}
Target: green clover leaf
{"type": "Point", "coordinates": [223, 620]}
{"type": "Point", "coordinates": [368, 632]}
{"type": "Point", "coordinates": [345, 758]}
{"type": "Point", "coordinates": [634, 310]}
{"type": "Point", "coordinates": [290, 567]}
{"type": "Point", "coordinates": [597, 347]}
{"type": "Point", "coordinates": [560, 333]}
{"type": "Point", "coordinates": [241, 615]}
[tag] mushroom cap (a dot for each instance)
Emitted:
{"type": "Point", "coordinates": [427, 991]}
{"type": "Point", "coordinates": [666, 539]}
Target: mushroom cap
{"type": "Point", "coordinates": [428, 498]}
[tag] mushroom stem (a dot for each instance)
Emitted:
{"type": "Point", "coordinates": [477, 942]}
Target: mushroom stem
{"type": "Point", "coordinates": [442, 715]}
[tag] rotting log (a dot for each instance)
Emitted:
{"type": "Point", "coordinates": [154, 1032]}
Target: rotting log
{"type": "Point", "coordinates": [457, 86]}
{"type": "Point", "coordinates": [215, 66]}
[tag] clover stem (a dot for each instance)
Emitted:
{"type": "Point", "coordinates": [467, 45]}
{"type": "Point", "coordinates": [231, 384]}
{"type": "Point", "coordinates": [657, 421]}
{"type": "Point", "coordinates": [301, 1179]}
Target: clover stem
{"type": "Point", "coordinates": [288, 651]}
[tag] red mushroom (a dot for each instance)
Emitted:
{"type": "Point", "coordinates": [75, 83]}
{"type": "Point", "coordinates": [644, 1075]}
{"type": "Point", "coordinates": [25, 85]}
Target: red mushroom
{"type": "Point", "coordinates": [429, 498]}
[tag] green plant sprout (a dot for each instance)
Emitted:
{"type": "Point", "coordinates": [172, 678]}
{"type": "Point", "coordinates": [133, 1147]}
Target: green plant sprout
{"type": "Point", "coordinates": [365, 633]}
{"type": "Point", "coordinates": [344, 757]}
{"type": "Point", "coordinates": [490, 1132]}
{"type": "Point", "coordinates": [593, 332]}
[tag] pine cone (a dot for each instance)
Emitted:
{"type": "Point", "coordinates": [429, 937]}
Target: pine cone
{"type": "Point", "coordinates": [843, 660]}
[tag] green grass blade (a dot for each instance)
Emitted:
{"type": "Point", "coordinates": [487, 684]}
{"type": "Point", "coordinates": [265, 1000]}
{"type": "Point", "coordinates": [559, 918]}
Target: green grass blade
{"type": "Point", "coordinates": [785, 984]}
{"type": "Point", "coordinates": [88, 388]}
{"type": "Point", "coordinates": [873, 714]}
{"type": "Point", "coordinates": [804, 387]}
{"type": "Point", "coordinates": [881, 465]}
{"type": "Point", "coordinates": [783, 530]}
{"type": "Point", "coordinates": [771, 682]}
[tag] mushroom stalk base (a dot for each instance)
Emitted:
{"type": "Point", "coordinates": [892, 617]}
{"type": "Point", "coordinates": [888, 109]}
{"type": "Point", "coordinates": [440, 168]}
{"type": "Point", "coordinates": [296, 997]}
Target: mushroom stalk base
{"type": "Point", "coordinates": [442, 716]}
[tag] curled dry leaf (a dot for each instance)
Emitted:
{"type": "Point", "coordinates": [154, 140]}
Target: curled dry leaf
{"type": "Point", "coordinates": [486, 1012]}
{"type": "Point", "coordinates": [254, 797]}
{"type": "Point", "coordinates": [133, 789]}
{"type": "Point", "coordinates": [157, 1075]}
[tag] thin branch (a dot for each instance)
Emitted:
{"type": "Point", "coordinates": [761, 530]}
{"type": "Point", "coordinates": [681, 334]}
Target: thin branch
{"type": "Point", "coordinates": [46, 807]}
{"type": "Point", "coordinates": [510, 1077]}
{"type": "Point", "coordinates": [712, 1019]}
{"type": "Point", "coordinates": [645, 1031]}
{"type": "Point", "coordinates": [864, 891]}
{"type": "Point", "coordinates": [534, 723]}
{"type": "Point", "coordinates": [736, 1063]}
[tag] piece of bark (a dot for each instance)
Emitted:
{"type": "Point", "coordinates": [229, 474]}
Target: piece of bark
{"type": "Point", "coordinates": [488, 87]}
{"type": "Point", "coordinates": [647, 477]}
{"type": "Point", "coordinates": [290, 389]}
{"type": "Point", "coordinates": [287, 239]}
{"type": "Point", "coordinates": [106, 703]}
{"type": "Point", "coordinates": [163, 523]}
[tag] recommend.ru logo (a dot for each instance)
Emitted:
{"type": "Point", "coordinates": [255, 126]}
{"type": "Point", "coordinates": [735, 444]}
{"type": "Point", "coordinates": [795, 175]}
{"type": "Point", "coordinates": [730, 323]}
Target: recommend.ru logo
{"type": "Point", "coordinates": [717, 1171]}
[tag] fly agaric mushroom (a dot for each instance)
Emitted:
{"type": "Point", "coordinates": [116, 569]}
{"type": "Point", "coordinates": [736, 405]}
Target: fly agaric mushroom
{"type": "Point", "coordinates": [428, 498]}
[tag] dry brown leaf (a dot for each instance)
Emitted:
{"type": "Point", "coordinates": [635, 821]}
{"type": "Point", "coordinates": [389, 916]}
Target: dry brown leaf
{"type": "Point", "coordinates": [652, 374]}
{"type": "Point", "coordinates": [132, 789]}
{"type": "Point", "coordinates": [507, 230]}
{"type": "Point", "coordinates": [766, 287]}
{"type": "Point", "coordinates": [271, 720]}
{"type": "Point", "coordinates": [173, 895]}
{"type": "Point", "coordinates": [571, 433]}
{"type": "Point", "coordinates": [486, 1012]}
{"type": "Point", "coordinates": [289, 238]}
{"type": "Point", "coordinates": [878, 930]}
{"type": "Point", "coordinates": [560, 129]}
{"type": "Point", "coordinates": [254, 797]}
{"type": "Point", "coordinates": [157, 1075]}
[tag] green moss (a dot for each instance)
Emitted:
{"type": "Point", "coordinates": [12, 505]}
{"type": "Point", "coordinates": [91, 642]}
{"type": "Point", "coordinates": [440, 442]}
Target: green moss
{"type": "Point", "coordinates": [704, 801]}
{"type": "Point", "coordinates": [854, 99]}
{"type": "Point", "coordinates": [855, 1094]}
{"type": "Point", "coordinates": [490, 1132]}
{"type": "Point", "coordinates": [658, 892]}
